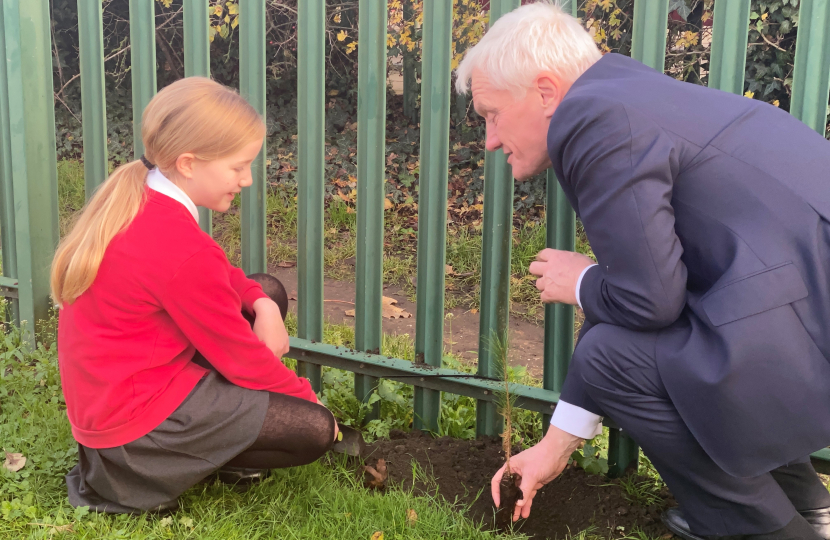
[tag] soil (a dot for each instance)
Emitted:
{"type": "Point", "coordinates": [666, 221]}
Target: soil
{"type": "Point", "coordinates": [461, 470]}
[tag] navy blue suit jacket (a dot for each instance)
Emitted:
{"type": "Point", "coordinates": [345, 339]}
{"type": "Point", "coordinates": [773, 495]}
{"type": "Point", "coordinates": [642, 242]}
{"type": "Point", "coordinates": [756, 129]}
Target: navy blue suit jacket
{"type": "Point", "coordinates": [709, 215]}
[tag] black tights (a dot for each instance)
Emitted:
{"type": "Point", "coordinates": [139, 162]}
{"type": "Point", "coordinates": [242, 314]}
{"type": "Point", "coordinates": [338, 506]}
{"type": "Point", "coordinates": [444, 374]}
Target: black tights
{"type": "Point", "coordinates": [295, 431]}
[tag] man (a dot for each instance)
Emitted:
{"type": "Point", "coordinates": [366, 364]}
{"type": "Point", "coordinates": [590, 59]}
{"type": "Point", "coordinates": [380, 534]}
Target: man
{"type": "Point", "coordinates": [706, 318]}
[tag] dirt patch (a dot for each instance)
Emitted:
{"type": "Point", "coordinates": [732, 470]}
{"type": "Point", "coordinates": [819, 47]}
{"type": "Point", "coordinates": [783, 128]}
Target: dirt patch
{"type": "Point", "coordinates": [460, 332]}
{"type": "Point", "coordinates": [462, 471]}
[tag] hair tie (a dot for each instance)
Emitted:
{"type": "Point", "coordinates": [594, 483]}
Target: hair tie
{"type": "Point", "coordinates": [146, 162]}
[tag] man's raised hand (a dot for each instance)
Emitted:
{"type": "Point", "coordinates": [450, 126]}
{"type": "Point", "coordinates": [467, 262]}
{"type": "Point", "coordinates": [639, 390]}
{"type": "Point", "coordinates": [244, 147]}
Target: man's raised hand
{"type": "Point", "coordinates": [558, 273]}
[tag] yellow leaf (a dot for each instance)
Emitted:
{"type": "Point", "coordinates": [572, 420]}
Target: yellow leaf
{"type": "Point", "coordinates": [749, 94]}
{"type": "Point", "coordinates": [333, 92]}
{"type": "Point", "coordinates": [387, 204]}
{"type": "Point", "coordinates": [341, 35]}
{"type": "Point", "coordinates": [337, 18]}
{"type": "Point", "coordinates": [378, 535]}
{"type": "Point", "coordinates": [764, 16]}
{"type": "Point", "coordinates": [776, 103]}
{"type": "Point", "coordinates": [411, 516]}
{"type": "Point", "coordinates": [217, 10]}
{"type": "Point", "coordinates": [233, 9]}
{"type": "Point", "coordinates": [227, 18]}
{"type": "Point", "coordinates": [351, 47]}
{"type": "Point", "coordinates": [235, 22]}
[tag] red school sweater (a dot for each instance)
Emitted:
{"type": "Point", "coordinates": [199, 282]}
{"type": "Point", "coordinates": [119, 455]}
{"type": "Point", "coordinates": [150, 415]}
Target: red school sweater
{"type": "Point", "coordinates": [164, 290]}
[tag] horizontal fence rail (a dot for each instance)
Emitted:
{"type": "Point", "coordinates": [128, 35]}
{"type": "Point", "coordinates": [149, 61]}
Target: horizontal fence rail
{"type": "Point", "coordinates": [28, 181]}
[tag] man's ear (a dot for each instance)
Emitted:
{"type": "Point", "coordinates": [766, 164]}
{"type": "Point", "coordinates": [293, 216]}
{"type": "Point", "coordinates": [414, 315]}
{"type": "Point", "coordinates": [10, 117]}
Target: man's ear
{"type": "Point", "coordinates": [184, 164]}
{"type": "Point", "coordinates": [551, 92]}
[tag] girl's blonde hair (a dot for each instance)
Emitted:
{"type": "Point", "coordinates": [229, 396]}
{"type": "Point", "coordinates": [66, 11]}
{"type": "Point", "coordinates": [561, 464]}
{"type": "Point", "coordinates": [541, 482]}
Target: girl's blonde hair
{"type": "Point", "coordinates": [195, 115]}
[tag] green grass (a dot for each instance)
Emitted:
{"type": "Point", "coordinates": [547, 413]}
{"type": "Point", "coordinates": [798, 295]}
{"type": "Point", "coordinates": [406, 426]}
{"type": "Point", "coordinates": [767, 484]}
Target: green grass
{"type": "Point", "coordinates": [322, 500]}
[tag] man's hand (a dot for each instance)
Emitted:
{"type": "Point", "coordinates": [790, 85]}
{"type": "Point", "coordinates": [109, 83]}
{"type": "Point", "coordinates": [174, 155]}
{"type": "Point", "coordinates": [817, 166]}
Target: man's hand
{"type": "Point", "coordinates": [269, 327]}
{"type": "Point", "coordinates": [558, 273]}
{"type": "Point", "coordinates": [537, 466]}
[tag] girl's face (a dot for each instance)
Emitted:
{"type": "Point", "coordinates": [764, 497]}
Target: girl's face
{"type": "Point", "coordinates": [213, 184]}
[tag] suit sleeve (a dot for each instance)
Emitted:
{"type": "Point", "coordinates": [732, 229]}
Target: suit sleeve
{"type": "Point", "coordinates": [207, 309]}
{"type": "Point", "coordinates": [249, 291]}
{"type": "Point", "coordinates": [622, 170]}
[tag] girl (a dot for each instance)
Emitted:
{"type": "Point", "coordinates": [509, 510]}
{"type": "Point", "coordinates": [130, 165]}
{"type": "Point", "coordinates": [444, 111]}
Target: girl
{"type": "Point", "coordinates": [141, 289]}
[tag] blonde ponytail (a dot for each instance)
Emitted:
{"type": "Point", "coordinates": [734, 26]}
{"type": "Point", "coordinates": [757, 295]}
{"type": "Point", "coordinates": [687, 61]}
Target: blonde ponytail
{"type": "Point", "coordinates": [181, 118]}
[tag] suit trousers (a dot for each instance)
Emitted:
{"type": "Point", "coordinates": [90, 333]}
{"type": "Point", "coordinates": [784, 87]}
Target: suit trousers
{"type": "Point", "coordinates": [614, 373]}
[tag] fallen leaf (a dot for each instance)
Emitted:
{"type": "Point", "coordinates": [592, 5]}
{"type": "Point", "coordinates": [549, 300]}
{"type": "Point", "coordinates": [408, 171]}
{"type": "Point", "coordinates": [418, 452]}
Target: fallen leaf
{"type": "Point", "coordinates": [14, 461]}
{"type": "Point", "coordinates": [411, 516]}
{"type": "Point", "coordinates": [387, 204]}
{"type": "Point", "coordinates": [448, 270]}
{"type": "Point", "coordinates": [391, 311]}
{"type": "Point", "coordinates": [349, 313]}
{"type": "Point", "coordinates": [378, 475]}
{"type": "Point", "coordinates": [286, 264]}
{"type": "Point", "coordinates": [378, 535]}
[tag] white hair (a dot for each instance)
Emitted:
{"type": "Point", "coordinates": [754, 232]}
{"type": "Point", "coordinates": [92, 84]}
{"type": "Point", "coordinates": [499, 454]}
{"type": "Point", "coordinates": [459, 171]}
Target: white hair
{"type": "Point", "coordinates": [525, 42]}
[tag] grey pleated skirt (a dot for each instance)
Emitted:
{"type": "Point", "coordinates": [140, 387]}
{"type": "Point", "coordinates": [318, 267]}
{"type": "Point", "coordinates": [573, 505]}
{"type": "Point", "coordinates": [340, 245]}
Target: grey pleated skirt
{"type": "Point", "coordinates": [216, 422]}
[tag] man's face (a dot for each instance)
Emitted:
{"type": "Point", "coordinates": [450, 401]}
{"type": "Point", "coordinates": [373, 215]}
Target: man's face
{"type": "Point", "coordinates": [518, 126]}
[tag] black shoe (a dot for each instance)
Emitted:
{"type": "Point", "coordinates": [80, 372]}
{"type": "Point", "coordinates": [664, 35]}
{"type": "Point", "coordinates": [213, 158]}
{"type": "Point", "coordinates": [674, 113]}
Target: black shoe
{"type": "Point", "coordinates": [820, 521]}
{"type": "Point", "coordinates": [240, 475]}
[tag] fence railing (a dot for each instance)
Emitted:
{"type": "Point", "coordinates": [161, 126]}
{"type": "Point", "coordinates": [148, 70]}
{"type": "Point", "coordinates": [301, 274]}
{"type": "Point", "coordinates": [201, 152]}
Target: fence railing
{"type": "Point", "coordinates": [28, 178]}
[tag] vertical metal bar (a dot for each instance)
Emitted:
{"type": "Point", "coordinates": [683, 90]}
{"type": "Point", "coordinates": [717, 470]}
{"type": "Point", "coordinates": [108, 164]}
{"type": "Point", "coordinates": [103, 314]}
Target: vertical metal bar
{"type": "Point", "coordinates": [559, 318]}
{"type": "Point", "coordinates": [311, 154]}
{"type": "Point", "coordinates": [648, 44]}
{"type": "Point", "coordinates": [371, 147]}
{"type": "Point", "coordinates": [432, 210]}
{"type": "Point", "coordinates": [495, 264]}
{"type": "Point", "coordinates": [7, 231]}
{"type": "Point", "coordinates": [811, 78]}
{"type": "Point", "coordinates": [142, 63]}
{"type": "Point", "coordinates": [93, 97]}
{"type": "Point", "coordinates": [410, 85]}
{"type": "Point", "coordinates": [727, 62]}
{"type": "Point", "coordinates": [623, 453]}
{"type": "Point", "coordinates": [252, 88]}
{"type": "Point", "coordinates": [34, 171]}
{"type": "Point", "coordinates": [197, 63]}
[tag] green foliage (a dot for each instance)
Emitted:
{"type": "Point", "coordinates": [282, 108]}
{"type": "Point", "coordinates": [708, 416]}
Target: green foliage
{"type": "Point", "coordinates": [589, 459]}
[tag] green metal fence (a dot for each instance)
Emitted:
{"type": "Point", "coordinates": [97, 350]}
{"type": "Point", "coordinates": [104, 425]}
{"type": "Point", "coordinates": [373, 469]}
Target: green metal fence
{"type": "Point", "coordinates": [28, 181]}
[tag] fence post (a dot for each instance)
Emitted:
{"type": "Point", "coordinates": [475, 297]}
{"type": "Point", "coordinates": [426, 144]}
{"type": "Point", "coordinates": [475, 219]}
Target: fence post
{"type": "Point", "coordinates": [495, 264]}
{"type": "Point", "coordinates": [311, 155]}
{"type": "Point", "coordinates": [648, 44]}
{"type": "Point", "coordinates": [727, 62]}
{"type": "Point", "coordinates": [410, 85]}
{"type": "Point", "coordinates": [93, 95]}
{"type": "Point", "coordinates": [432, 208]}
{"type": "Point", "coordinates": [559, 318]}
{"type": "Point", "coordinates": [649, 47]}
{"type": "Point", "coordinates": [371, 150]}
{"type": "Point", "coordinates": [9, 250]}
{"type": "Point", "coordinates": [197, 63]}
{"type": "Point", "coordinates": [252, 88]}
{"type": "Point", "coordinates": [811, 78]}
{"type": "Point", "coordinates": [142, 63]}
{"type": "Point", "coordinates": [26, 32]}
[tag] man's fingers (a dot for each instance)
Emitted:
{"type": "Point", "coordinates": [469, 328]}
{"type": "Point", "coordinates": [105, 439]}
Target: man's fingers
{"type": "Point", "coordinates": [537, 268]}
{"type": "Point", "coordinates": [494, 486]}
{"type": "Point", "coordinates": [545, 254]}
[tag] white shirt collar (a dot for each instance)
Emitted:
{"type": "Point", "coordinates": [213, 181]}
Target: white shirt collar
{"type": "Point", "coordinates": [158, 182]}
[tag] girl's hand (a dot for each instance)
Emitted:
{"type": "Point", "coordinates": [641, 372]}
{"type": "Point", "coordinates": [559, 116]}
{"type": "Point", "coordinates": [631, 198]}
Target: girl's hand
{"type": "Point", "coordinates": [269, 326]}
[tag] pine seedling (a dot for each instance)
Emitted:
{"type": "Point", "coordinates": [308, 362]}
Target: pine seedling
{"type": "Point", "coordinates": [505, 402]}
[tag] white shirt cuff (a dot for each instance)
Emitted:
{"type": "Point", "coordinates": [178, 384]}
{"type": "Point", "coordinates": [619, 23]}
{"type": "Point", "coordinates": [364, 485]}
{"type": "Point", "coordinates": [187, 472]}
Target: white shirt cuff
{"type": "Point", "coordinates": [576, 421]}
{"type": "Point", "coordinates": [579, 284]}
